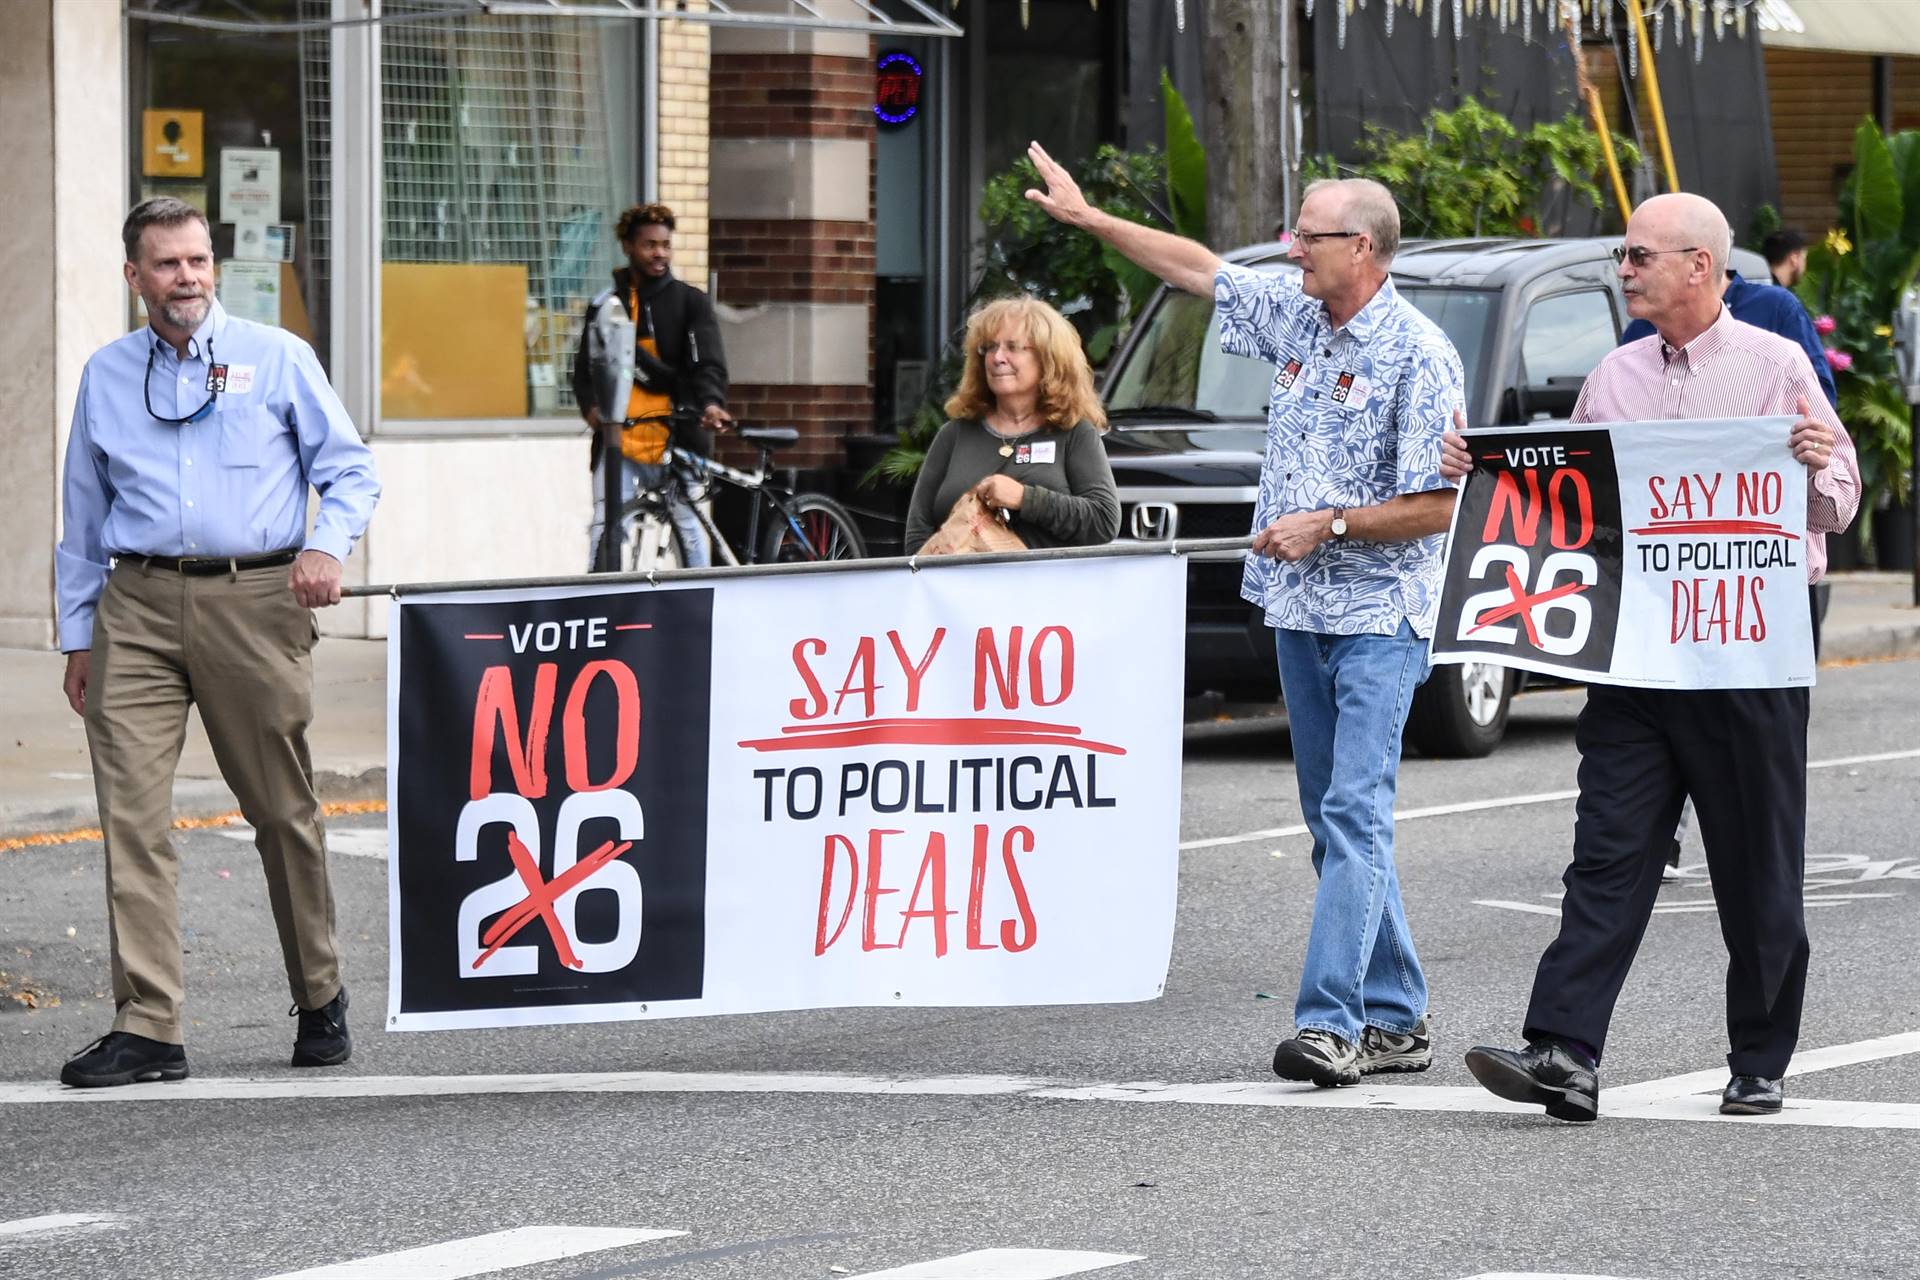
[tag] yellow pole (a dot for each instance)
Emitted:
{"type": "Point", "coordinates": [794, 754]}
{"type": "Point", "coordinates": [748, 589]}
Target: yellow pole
{"type": "Point", "coordinates": [1606, 150]}
{"type": "Point", "coordinates": [1599, 117]}
{"type": "Point", "coordinates": [1653, 94]}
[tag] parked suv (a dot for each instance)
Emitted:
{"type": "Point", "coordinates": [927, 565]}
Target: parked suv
{"type": "Point", "coordinates": [1530, 319]}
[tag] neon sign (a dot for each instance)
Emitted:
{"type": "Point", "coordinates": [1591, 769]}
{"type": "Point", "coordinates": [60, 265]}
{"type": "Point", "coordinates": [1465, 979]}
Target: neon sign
{"type": "Point", "coordinates": [896, 88]}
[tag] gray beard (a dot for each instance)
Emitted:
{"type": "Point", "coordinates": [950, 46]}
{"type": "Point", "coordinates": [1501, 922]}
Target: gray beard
{"type": "Point", "coordinates": [186, 313]}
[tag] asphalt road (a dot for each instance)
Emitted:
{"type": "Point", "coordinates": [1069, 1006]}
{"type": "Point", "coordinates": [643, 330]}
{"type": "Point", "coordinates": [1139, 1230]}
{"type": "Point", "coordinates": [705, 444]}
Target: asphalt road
{"type": "Point", "coordinates": [1133, 1141]}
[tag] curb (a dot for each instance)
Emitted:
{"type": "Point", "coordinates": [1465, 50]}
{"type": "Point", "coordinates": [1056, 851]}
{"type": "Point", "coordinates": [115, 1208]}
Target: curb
{"type": "Point", "coordinates": [1873, 643]}
{"type": "Point", "coordinates": [193, 802]}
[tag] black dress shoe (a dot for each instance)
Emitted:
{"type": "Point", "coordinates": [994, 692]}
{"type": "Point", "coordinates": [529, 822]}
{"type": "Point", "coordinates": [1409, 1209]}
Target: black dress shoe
{"type": "Point", "coordinates": [1752, 1096]}
{"type": "Point", "coordinates": [1545, 1073]}
{"type": "Point", "coordinates": [322, 1040]}
{"type": "Point", "coordinates": [120, 1057]}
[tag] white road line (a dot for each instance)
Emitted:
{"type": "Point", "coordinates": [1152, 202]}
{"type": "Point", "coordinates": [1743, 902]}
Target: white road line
{"type": "Point", "coordinates": [352, 842]}
{"type": "Point", "coordinates": [1668, 1098]}
{"type": "Point", "coordinates": [1005, 1264]}
{"type": "Point", "coordinates": [1506, 802]}
{"type": "Point", "coordinates": [1805, 1062]}
{"type": "Point", "coordinates": [482, 1255]}
{"type": "Point", "coordinates": [58, 1222]}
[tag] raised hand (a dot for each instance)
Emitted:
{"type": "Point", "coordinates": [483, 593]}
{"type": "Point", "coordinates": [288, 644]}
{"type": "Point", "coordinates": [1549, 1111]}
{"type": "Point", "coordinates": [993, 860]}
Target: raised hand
{"type": "Point", "coordinates": [1062, 198]}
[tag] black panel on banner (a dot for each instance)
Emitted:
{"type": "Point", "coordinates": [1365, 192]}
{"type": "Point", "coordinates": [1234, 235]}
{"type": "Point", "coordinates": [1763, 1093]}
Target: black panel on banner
{"type": "Point", "coordinates": [1534, 567]}
{"type": "Point", "coordinates": [590, 710]}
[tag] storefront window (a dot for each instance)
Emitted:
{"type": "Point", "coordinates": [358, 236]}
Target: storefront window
{"type": "Point", "coordinates": [508, 149]}
{"type": "Point", "coordinates": [237, 125]}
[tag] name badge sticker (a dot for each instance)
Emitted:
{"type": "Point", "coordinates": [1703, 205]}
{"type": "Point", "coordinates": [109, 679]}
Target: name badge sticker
{"type": "Point", "coordinates": [1043, 451]}
{"type": "Point", "coordinates": [239, 379]}
{"type": "Point", "coordinates": [1288, 373]}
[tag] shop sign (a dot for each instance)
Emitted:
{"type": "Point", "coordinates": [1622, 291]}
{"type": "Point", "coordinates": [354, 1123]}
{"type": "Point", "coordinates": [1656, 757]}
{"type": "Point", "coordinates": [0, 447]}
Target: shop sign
{"type": "Point", "coordinates": [896, 89]}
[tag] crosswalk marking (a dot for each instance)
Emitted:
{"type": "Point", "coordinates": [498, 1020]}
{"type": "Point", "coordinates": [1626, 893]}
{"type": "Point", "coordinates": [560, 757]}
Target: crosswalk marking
{"type": "Point", "coordinates": [1506, 802]}
{"type": "Point", "coordinates": [1005, 1264]}
{"type": "Point", "coordinates": [57, 1222]}
{"type": "Point", "coordinates": [483, 1255]}
{"type": "Point", "coordinates": [353, 842]}
{"type": "Point", "coordinates": [1669, 1098]}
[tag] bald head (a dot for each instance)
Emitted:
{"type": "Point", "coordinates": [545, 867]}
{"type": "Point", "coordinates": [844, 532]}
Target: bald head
{"type": "Point", "coordinates": [1682, 220]}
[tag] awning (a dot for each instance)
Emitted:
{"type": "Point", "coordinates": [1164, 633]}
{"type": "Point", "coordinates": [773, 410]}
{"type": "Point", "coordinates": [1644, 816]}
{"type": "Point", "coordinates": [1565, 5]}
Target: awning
{"type": "Point", "coordinates": [880, 18]}
{"type": "Point", "coordinates": [1846, 26]}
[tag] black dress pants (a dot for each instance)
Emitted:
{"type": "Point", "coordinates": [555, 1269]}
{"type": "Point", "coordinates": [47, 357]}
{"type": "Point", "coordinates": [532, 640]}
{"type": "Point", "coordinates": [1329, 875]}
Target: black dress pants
{"type": "Point", "coordinates": [1742, 755]}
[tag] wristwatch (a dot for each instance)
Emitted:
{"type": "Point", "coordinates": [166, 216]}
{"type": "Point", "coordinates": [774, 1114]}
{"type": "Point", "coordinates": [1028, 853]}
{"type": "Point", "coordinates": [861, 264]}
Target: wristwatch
{"type": "Point", "coordinates": [1339, 523]}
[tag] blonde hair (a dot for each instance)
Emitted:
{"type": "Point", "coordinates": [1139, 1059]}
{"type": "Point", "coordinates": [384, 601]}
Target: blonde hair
{"type": "Point", "coordinates": [1067, 396]}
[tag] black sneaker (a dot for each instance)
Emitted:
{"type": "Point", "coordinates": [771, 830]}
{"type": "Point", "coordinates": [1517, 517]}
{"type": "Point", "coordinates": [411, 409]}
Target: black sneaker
{"type": "Point", "coordinates": [1385, 1052]}
{"type": "Point", "coordinates": [120, 1057]}
{"type": "Point", "coordinates": [1319, 1056]}
{"type": "Point", "coordinates": [322, 1040]}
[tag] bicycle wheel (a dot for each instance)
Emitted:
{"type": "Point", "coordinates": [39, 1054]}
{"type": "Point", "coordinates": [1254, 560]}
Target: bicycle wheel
{"type": "Point", "coordinates": [830, 533]}
{"type": "Point", "coordinates": [652, 539]}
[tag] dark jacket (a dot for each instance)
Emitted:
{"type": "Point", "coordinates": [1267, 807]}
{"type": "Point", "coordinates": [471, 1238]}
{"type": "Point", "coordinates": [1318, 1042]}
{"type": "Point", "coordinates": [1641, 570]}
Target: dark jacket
{"type": "Point", "coordinates": [1769, 307]}
{"type": "Point", "coordinates": [692, 367]}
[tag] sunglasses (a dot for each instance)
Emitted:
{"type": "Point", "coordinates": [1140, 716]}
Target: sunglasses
{"type": "Point", "coordinates": [1640, 256]}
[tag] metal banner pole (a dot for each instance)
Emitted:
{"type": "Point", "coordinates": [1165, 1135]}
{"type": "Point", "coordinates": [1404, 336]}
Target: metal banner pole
{"type": "Point", "coordinates": [1212, 547]}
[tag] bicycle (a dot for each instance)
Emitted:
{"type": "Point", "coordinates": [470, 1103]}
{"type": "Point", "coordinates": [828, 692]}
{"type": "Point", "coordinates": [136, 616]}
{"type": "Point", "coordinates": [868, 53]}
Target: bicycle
{"type": "Point", "coordinates": [803, 526]}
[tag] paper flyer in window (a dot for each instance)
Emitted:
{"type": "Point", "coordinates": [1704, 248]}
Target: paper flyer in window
{"type": "Point", "coordinates": [249, 184]}
{"type": "Point", "coordinates": [251, 290]}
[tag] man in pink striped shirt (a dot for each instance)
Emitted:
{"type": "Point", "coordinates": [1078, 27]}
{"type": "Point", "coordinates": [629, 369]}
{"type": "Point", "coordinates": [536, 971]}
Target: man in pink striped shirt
{"type": "Point", "coordinates": [1740, 753]}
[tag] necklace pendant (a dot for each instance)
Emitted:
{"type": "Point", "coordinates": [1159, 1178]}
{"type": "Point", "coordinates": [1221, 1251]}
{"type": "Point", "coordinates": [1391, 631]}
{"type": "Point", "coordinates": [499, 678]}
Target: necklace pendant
{"type": "Point", "coordinates": [1006, 451]}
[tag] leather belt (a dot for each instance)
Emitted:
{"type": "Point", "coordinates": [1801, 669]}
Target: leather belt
{"type": "Point", "coordinates": [201, 566]}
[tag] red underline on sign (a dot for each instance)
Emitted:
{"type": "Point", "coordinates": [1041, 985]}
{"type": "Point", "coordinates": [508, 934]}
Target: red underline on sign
{"type": "Point", "coordinates": [1579, 453]}
{"type": "Point", "coordinates": [934, 732]}
{"type": "Point", "coordinates": [1714, 526]}
{"type": "Point", "coordinates": [633, 626]}
{"type": "Point", "coordinates": [480, 637]}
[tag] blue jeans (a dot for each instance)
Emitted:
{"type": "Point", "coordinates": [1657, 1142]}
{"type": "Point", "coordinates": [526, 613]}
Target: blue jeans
{"type": "Point", "coordinates": [634, 477]}
{"type": "Point", "coordinates": [1347, 700]}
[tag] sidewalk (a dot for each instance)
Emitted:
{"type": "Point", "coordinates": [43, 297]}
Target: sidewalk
{"type": "Point", "coordinates": [45, 783]}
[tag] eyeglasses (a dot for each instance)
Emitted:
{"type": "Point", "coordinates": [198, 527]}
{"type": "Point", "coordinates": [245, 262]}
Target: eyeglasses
{"type": "Point", "coordinates": [1640, 256]}
{"type": "Point", "coordinates": [986, 349]}
{"type": "Point", "coordinates": [1311, 238]}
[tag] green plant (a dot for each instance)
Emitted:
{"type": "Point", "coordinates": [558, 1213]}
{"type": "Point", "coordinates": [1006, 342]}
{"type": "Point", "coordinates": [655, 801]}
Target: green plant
{"type": "Point", "coordinates": [1026, 251]}
{"type": "Point", "coordinates": [1855, 278]}
{"type": "Point", "coordinates": [1473, 172]}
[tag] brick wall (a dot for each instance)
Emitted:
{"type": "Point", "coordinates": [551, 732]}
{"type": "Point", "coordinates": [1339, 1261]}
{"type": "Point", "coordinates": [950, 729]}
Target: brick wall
{"type": "Point", "coordinates": [821, 414]}
{"type": "Point", "coordinates": [812, 101]}
{"type": "Point", "coordinates": [682, 140]}
{"type": "Point", "coordinates": [801, 95]}
{"type": "Point", "coordinates": [793, 260]}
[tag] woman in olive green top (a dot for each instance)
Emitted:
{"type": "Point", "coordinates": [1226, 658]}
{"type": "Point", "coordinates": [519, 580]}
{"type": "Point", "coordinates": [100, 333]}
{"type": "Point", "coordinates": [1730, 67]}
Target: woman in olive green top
{"type": "Point", "coordinates": [1024, 434]}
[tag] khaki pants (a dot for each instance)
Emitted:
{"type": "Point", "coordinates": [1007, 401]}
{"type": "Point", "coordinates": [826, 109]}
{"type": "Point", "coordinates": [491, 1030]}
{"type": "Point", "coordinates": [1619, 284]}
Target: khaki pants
{"type": "Point", "coordinates": [239, 647]}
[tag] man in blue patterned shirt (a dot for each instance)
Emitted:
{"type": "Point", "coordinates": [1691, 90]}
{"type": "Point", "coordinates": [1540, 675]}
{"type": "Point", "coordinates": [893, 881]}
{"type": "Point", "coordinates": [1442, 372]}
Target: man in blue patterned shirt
{"type": "Point", "coordinates": [1348, 535]}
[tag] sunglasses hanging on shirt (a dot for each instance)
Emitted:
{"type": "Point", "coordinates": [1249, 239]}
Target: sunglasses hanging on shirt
{"type": "Point", "coordinates": [216, 383]}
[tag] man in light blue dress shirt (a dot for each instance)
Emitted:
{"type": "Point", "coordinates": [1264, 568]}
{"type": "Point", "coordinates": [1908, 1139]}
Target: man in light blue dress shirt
{"type": "Point", "coordinates": [187, 576]}
{"type": "Point", "coordinates": [1348, 534]}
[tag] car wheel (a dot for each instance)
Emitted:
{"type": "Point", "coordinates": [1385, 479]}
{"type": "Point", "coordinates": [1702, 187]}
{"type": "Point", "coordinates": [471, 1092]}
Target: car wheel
{"type": "Point", "coordinates": [1461, 711]}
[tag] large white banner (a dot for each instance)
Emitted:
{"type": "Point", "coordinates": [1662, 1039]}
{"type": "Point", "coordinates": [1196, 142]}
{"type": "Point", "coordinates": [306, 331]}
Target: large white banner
{"type": "Point", "coordinates": [1665, 555]}
{"type": "Point", "coordinates": [953, 787]}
